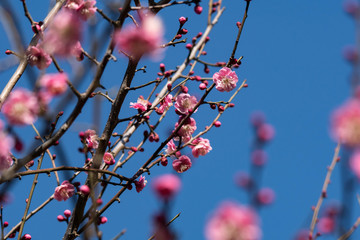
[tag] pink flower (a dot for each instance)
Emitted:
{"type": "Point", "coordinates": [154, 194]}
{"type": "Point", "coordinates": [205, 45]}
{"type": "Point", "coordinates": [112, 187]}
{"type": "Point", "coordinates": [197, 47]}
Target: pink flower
{"type": "Point", "coordinates": [140, 184]}
{"type": "Point", "coordinates": [345, 124]}
{"type": "Point", "coordinates": [233, 222]}
{"type": "Point", "coordinates": [225, 79]}
{"type": "Point", "coordinates": [259, 157]}
{"type": "Point", "coordinates": [186, 130]}
{"type": "Point", "coordinates": [87, 9]}
{"type": "Point", "coordinates": [5, 161]}
{"type": "Point", "coordinates": [326, 225]}
{"type": "Point", "coordinates": [65, 191]}
{"type": "Point", "coordinates": [143, 40]}
{"type": "Point", "coordinates": [185, 103]}
{"type": "Point", "coordinates": [21, 107]}
{"type": "Point", "coordinates": [171, 147]}
{"type": "Point", "coordinates": [166, 186]}
{"type": "Point", "coordinates": [63, 34]}
{"type": "Point", "coordinates": [54, 84]}
{"type": "Point", "coordinates": [355, 163]}
{"type": "Point", "coordinates": [91, 138]}
{"type": "Point", "coordinates": [109, 158]}
{"type": "Point", "coordinates": [265, 132]}
{"type": "Point", "coordinates": [165, 104]}
{"type": "Point", "coordinates": [202, 147]}
{"type": "Point", "coordinates": [73, 4]}
{"type": "Point", "coordinates": [6, 143]}
{"type": "Point", "coordinates": [36, 56]}
{"type": "Point", "coordinates": [141, 104]}
{"type": "Point", "coordinates": [182, 164]}
{"type": "Point", "coordinates": [265, 196]}
{"type": "Point", "coordinates": [351, 7]}
{"type": "Point", "coordinates": [77, 51]}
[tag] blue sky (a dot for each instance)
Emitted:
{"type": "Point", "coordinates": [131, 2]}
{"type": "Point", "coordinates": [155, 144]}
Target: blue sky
{"type": "Point", "coordinates": [296, 74]}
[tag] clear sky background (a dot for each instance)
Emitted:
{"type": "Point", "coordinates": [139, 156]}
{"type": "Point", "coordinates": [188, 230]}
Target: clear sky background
{"type": "Point", "coordinates": [296, 74]}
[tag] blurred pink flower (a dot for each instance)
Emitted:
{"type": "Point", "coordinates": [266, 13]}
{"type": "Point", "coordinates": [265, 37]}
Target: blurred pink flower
{"type": "Point", "coordinates": [6, 143]}
{"type": "Point", "coordinates": [225, 79]}
{"type": "Point", "coordinates": [91, 138]}
{"type": "Point", "coordinates": [265, 196]}
{"type": "Point", "coordinates": [36, 56]}
{"type": "Point", "coordinates": [141, 104]}
{"type": "Point", "coordinates": [63, 34]}
{"type": "Point", "coordinates": [140, 184]}
{"type": "Point", "coordinates": [186, 130]}
{"type": "Point", "coordinates": [185, 103]}
{"type": "Point", "coordinates": [202, 147]}
{"type": "Point", "coordinates": [65, 191]}
{"type": "Point", "coordinates": [182, 164]}
{"type": "Point", "coordinates": [355, 163]}
{"type": "Point", "coordinates": [258, 157]}
{"type": "Point", "coordinates": [265, 132]}
{"type": "Point", "coordinates": [143, 40]}
{"type": "Point", "coordinates": [326, 225]}
{"type": "Point", "coordinates": [54, 84]}
{"type": "Point", "coordinates": [352, 7]}
{"type": "Point", "coordinates": [87, 9]}
{"type": "Point", "coordinates": [21, 107]}
{"type": "Point", "coordinates": [109, 158]}
{"type": "Point", "coordinates": [345, 123]}
{"type": "Point", "coordinates": [233, 222]}
{"type": "Point", "coordinates": [166, 186]}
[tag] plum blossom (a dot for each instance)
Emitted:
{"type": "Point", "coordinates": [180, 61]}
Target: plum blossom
{"type": "Point", "coordinates": [6, 143]}
{"type": "Point", "coordinates": [185, 103]}
{"type": "Point", "coordinates": [166, 186]}
{"type": "Point", "coordinates": [165, 104]}
{"type": "Point", "coordinates": [232, 221]}
{"type": "Point", "coordinates": [140, 184]}
{"type": "Point", "coordinates": [186, 130]}
{"type": "Point", "coordinates": [143, 40]}
{"type": "Point", "coordinates": [171, 147]}
{"type": "Point", "coordinates": [141, 105]}
{"type": "Point", "coordinates": [109, 158]}
{"type": "Point", "coordinates": [36, 56]}
{"type": "Point", "coordinates": [91, 139]}
{"type": "Point", "coordinates": [345, 124]}
{"type": "Point", "coordinates": [54, 84]}
{"type": "Point", "coordinates": [21, 107]}
{"type": "Point", "coordinates": [182, 164]}
{"type": "Point", "coordinates": [355, 163]}
{"type": "Point", "coordinates": [225, 79]}
{"type": "Point", "coordinates": [65, 191]}
{"type": "Point", "coordinates": [64, 33]}
{"type": "Point", "coordinates": [202, 147]}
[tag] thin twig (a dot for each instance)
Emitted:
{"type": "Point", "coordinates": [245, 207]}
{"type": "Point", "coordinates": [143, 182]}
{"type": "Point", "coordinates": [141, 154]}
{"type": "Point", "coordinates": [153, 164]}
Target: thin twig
{"type": "Point", "coordinates": [173, 219]}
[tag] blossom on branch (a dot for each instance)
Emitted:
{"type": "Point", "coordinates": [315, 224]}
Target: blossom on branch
{"type": "Point", "coordinates": [182, 164]}
{"type": "Point", "coordinates": [91, 139]}
{"type": "Point", "coordinates": [108, 158]}
{"type": "Point", "coordinates": [225, 79]}
{"type": "Point", "coordinates": [85, 9]}
{"type": "Point", "coordinates": [141, 105]}
{"type": "Point", "coordinates": [6, 143]}
{"type": "Point", "coordinates": [233, 222]}
{"type": "Point", "coordinates": [140, 184]}
{"type": "Point", "coordinates": [185, 103]}
{"type": "Point", "coordinates": [65, 191]}
{"type": "Point", "coordinates": [202, 147]}
{"type": "Point", "coordinates": [36, 56]}
{"type": "Point", "coordinates": [21, 107]}
{"type": "Point", "coordinates": [165, 104]}
{"type": "Point", "coordinates": [54, 84]}
{"type": "Point", "coordinates": [186, 130]}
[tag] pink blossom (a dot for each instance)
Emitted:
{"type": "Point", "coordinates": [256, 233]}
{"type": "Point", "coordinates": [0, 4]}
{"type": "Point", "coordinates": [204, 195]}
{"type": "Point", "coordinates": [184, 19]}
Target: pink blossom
{"type": "Point", "coordinates": [141, 104]}
{"type": "Point", "coordinates": [265, 132]}
{"type": "Point", "coordinates": [259, 157]}
{"type": "Point", "coordinates": [351, 7]}
{"type": "Point", "coordinates": [73, 4]}
{"type": "Point", "coordinates": [171, 147]}
{"type": "Point", "coordinates": [65, 191]}
{"type": "Point", "coordinates": [202, 147]}
{"type": "Point", "coordinates": [36, 56]}
{"type": "Point", "coordinates": [140, 184]}
{"type": "Point", "coordinates": [109, 158]}
{"type": "Point", "coordinates": [91, 138]}
{"type": "Point", "coordinates": [233, 222]}
{"type": "Point", "coordinates": [326, 225]}
{"type": "Point", "coordinates": [225, 79]}
{"type": "Point", "coordinates": [21, 107]}
{"type": "Point", "coordinates": [165, 104]}
{"type": "Point", "coordinates": [63, 34]}
{"type": "Point", "coordinates": [77, 51]}
{"type": "Point", "coordinates": [5, 161]}
{"type": "Point", "coordinates": [345, 124]}
{"type": "Point", "coordinates": [185, 103]}
{"type": "Point", "coordinates": [6, 143]}
{"type": "Point", "coordinates": [87, 9]}
{"type": "Point", "coordinates": [54, 84]}
{"type": "Point", "coordinates": [166, 186]}
{"type": "Point", "coordinates": [265, 196]}
{"type": "Point", "coordinates": [355, 163]}
{"type": "Point", "coordinates": [186, 130]}
{"type": "Point", "coordinates": [182, 164]}
{"type": "Point", "coordinates": [145, 39]}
